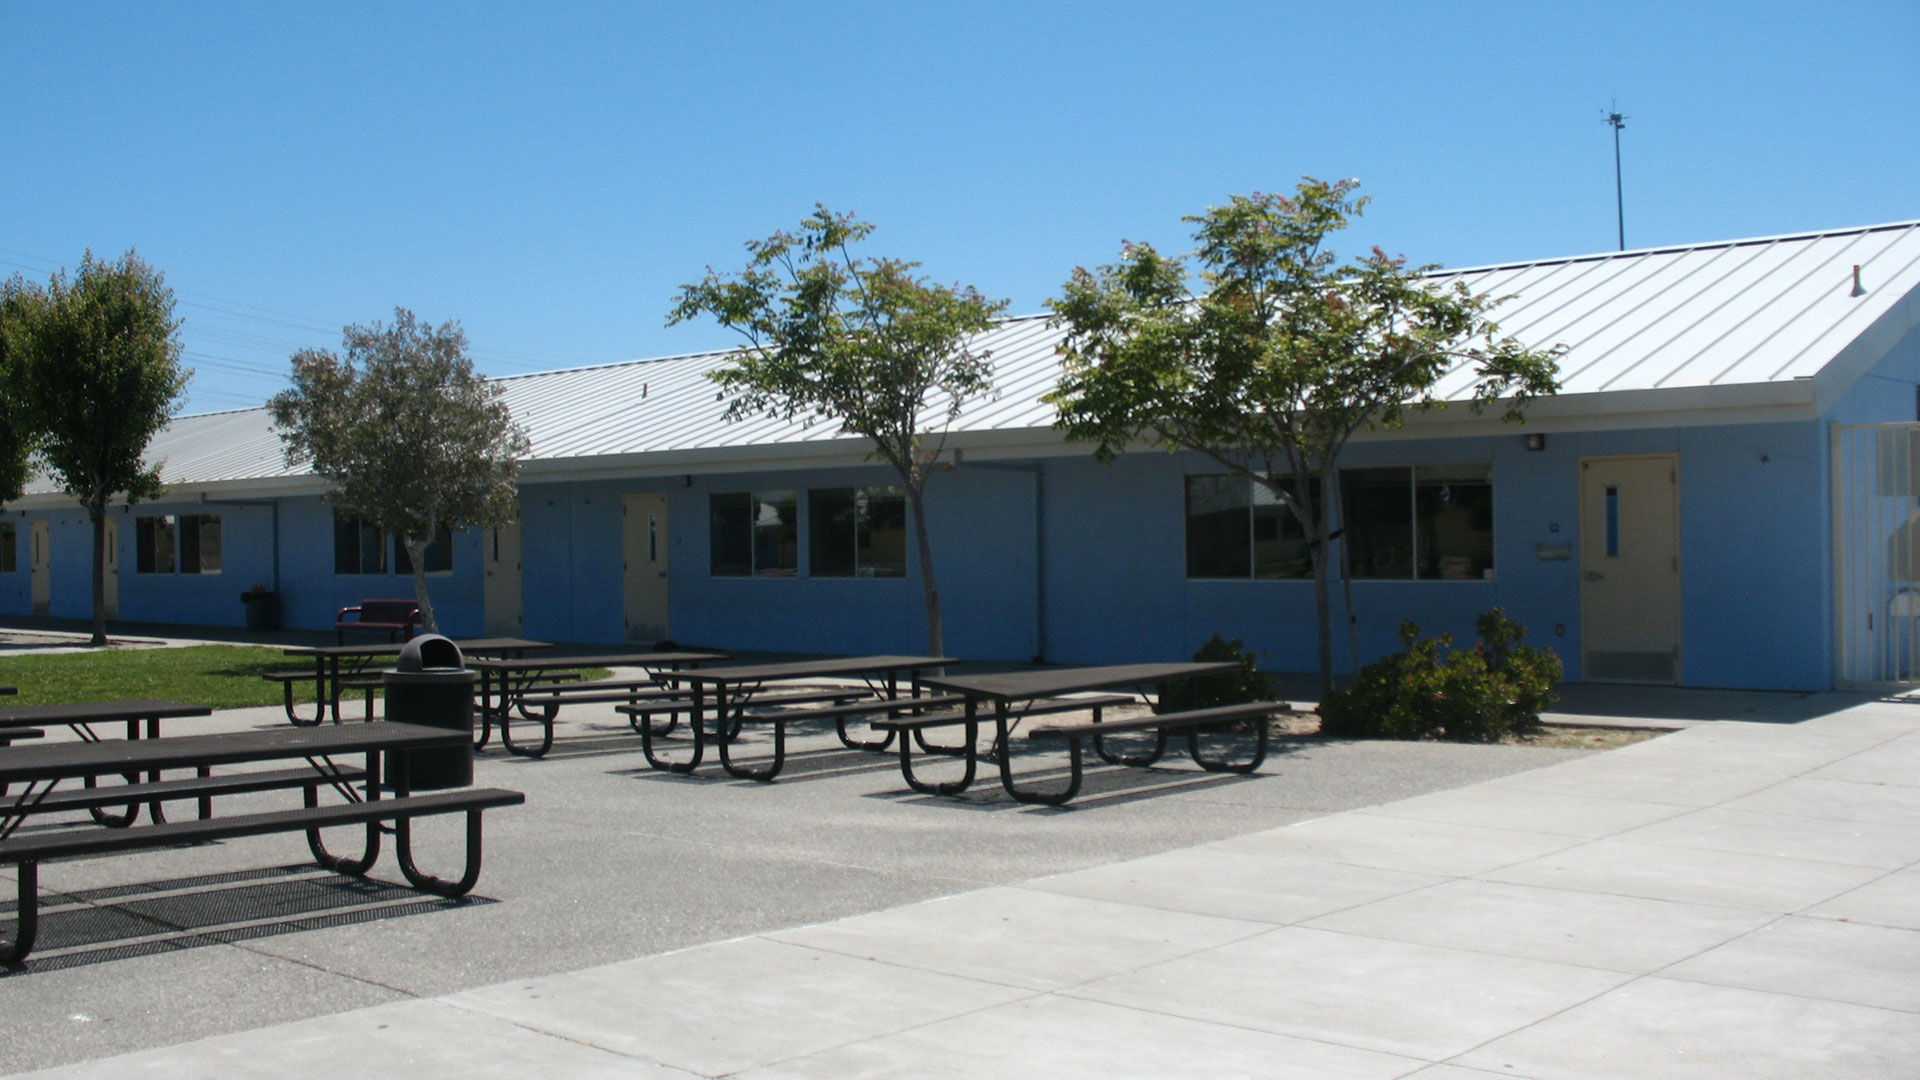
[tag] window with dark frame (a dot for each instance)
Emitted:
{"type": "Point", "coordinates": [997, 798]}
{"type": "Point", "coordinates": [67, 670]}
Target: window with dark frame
{"type": "Point", "coordinates": [753, 534]}
{"type": "Point", "coordinates": [1404, 523]}
{"type": "Point", "coordinates": [177, 543]}
{"type": "Point", "coordinates": [857, 532]}
{"type": "Point", "coordinates": [361, 549]}
{"type": "Point", "coordinates": [439, 554]}
{"type": "Point", "coordinates": [358, 547]}
{"type": "Point", "coordinates": [9, 548]}
{"type": "Point", "coordinates": [1239, 529]}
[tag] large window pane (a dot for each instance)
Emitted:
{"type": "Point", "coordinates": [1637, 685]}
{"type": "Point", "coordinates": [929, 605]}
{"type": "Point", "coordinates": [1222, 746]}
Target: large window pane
{"type": "Point", "coordinates": [200, 544]}
{"type": "Point", "coordinates": [832, 532]}
{"type": "Point", "coordinates": [1219, 533]}
{"type": "Point", "coordinates": [358, 548]}
{"type": "Point", "coordinates": [882, 545]}
{"type": "Point", "coordinates": [776, 534]}
{"type": "Point", "coordinates": [1453, 527]}
{"type": "Point", "coordinates": [730, 534]}
{"type": "Point", "coordinates": [1279, 543]}
{"type": "Point", "coordinates": [154, 544]}
{"type": "Point", "coordinates": [439, 554]}
{"type": "Point", "coordinates": [1377, 507]}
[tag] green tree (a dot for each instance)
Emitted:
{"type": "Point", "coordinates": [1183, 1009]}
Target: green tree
{"type": "Point", "coordinates": [18, 433]}
{"type": "Point", "coordinates": [97, 366]}
{"type": "Point", "coordinates": [1280, 356]}
{"type": "Point", "coordinates": [862, 342]}
{"type": "Point", "coordinates": [411, 439]}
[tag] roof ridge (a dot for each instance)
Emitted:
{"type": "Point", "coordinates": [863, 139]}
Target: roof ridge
{"type": "Point", "coordinates": [1671, 249]}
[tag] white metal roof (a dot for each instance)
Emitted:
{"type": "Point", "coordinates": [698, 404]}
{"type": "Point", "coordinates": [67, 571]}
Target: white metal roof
{"type": "Point", "coordinates": [1745, 313]}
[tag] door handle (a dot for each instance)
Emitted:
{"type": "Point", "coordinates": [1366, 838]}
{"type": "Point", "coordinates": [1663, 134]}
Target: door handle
{"type": "Point", "coordinates": [1593, 575]}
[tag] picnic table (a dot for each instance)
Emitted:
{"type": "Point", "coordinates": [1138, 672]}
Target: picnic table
{"type": "Point", "coordinates": [330, 680]}
{"type": "Point", "coordinates": [1010, 694]}
{"type": "Point", "coordinates": [142, 718]}
{"type": "Point", "coordinates": [505, 683]}
{"type": "Point", "coordinates": [733, 689]}
{"type": "Point", "coordinates": [39, 770]}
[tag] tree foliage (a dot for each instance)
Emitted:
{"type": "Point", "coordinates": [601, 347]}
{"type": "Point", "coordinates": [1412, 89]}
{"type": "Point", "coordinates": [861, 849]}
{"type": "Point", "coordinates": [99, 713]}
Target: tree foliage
{"type": "Point", "coordinates": [1280, 355]}
{"type": "Point", "coordinates": [18, 433]}
{"type": "Point", "coordinates": [411, 439]}
{"type": "Point", "coordinates": [862, 342]}
{"type": "Point", "coordinates": [95, 361]}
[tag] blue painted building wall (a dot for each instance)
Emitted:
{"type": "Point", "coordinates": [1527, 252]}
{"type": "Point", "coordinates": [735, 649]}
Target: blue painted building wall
{"type": "Point", "coordinates": [1756, 552]}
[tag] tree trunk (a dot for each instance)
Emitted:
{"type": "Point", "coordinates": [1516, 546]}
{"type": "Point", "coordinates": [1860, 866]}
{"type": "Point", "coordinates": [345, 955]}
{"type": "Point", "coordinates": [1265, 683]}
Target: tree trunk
{"type": "Point", "coordinates": [936, 644]}
{"type": "Point", "coordinates": [417, 555]}
{"type": "Point", "coordinates": [1322, 605]}
{"type": "Point", "coordinates": [97, 511]}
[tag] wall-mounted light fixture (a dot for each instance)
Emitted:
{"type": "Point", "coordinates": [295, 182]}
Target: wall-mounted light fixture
{"type": "Point", "coordinates": [686, 480]}
{"type": "Point", "coordinates": [1536, 440]}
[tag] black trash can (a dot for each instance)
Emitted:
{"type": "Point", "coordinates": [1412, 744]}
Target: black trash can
{"type": "Point", "coordinates": [430, 685]}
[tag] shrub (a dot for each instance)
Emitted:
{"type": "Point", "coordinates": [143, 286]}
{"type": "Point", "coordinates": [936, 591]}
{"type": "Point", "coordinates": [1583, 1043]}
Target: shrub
{"type": "Point", "coordinates": [1495, 689]}
{"type": "Point", "coordinates": [1226, 688]}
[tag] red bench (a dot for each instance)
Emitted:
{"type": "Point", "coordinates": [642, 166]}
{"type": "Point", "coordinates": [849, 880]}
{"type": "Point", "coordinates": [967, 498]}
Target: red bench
{"type": "Point", "coordinates": [399, 618]}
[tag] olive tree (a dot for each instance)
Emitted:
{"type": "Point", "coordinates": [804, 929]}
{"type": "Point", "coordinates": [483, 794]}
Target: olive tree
{"type": "Point", "coordinates": [860, 342]}
{"type": "Point", "coordinates": [1278, 355]}
{"type": "Point", "coordinates": [95, 362]}
{"type": "Point", "coordinates": [411, 439]}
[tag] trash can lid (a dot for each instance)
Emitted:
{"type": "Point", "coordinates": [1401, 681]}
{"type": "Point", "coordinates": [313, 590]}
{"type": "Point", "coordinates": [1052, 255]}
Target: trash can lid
{"type": "Point", "coordinates": [429, 651]}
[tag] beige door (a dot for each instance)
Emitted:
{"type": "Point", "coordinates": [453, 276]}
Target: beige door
{"type": "Point", "coordinates": [1630, 568]}
{"type": "Point", "coordinates": [644, 545]}
{"type": "Point", "coordinates": [41, 556]}
{"type": "Point", "coordinates": [110, 571]}
{"type": "Point", "coordinates": [505, 612]}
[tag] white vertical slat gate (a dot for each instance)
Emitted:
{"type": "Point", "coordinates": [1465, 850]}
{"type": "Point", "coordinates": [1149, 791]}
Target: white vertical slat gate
{"type": "Point", "coordinates": [1876, 552]}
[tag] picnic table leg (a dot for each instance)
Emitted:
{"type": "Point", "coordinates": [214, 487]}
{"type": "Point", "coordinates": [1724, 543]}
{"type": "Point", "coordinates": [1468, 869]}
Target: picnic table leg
{"type": "Point", "coordinates": [695, 724]}
{"type": "Point", "coordinates": [1005, 743]}
{"type": "Point", "coordinates": [1260, 728]}
{"type": "Point", "coordinates": [1137, 761]}
{"type": "Point", "coordinates": [403, 850]}
{"type": "Point", "coordinates": [765, 773]}
{"type": "Point", "coordinates": [99, 814]}
{"type": "Point", "coordinates": [352, 867]}
{"type": "Point", "coordinates": [875, 745]}
{"type": "Point", "coordinates": [26, 925]}
{"type": "Point", "coordinates": [951, 787]}
{"type": "Point", "coordinates": [319, 697]}
{"type": "Point", "coordinates": [485, 709]}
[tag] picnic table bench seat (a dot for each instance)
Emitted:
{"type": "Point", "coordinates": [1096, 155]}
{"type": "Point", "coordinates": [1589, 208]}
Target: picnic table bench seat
{"type": "Point", "coordinates": [397, 618]}
{"type": "Point", "coordinates": [367, 683]}
{"type": "Point", "coordinates": [8, 735]}
{"type": "Point", "coordinates": [200, 788]}
{"type": "Point", "coordinates": [1190, 721]}
{"type": "Point", "coordinates": [27, 852]}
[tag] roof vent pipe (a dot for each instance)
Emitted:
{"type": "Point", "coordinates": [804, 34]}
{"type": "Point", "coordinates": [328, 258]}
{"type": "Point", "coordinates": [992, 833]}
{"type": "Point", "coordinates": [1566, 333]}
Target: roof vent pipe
{"type": "Point", "coordinates": [1858, 289]}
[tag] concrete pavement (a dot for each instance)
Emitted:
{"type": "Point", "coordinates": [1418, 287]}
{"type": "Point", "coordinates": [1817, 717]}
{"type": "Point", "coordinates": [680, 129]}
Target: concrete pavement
{"type": "Point", "coordinates": [1738, 899]}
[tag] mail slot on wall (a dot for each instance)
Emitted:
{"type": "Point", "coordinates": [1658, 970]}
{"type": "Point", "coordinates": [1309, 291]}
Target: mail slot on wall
{"type": "Point", "coordinates": [1553, 552]}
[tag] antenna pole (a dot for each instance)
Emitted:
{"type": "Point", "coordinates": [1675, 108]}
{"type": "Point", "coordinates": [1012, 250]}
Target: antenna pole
{"type": "Point", "coordinates": [1618, 121]}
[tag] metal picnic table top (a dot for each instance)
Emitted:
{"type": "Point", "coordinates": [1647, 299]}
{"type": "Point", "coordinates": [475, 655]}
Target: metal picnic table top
{"type": "Point", "coordinates": [97, 712]}
{"type": "Point", "coordinates": [470, 645]}
{"type": "Point", "coordinates": [558, 663]}
{"type": "Point", "coordinates": [798, 669]}
{"type": "Point", "coordinates": [61, 760]}
{"type": "Point", "coordinates": [1048, 682]}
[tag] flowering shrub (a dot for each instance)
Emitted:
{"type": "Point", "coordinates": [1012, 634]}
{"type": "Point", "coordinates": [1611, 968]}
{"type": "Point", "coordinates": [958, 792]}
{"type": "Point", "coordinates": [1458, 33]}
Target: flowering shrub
{"type": "Point", "coordinates": [1495, 689]}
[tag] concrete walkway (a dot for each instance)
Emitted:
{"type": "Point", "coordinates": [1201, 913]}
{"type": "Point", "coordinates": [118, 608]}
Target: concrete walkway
{"type": "Point", "coordinates": [1737, 899]}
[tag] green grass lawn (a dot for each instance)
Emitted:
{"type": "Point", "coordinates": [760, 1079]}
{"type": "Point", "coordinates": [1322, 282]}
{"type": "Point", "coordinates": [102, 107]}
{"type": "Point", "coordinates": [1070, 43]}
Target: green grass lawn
{"type": "Point", "coordinates": [220, 676]}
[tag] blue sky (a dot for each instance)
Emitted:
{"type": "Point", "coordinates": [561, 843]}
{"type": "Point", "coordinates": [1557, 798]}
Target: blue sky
{"type": "Point", "coordinates": [549, 174]}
